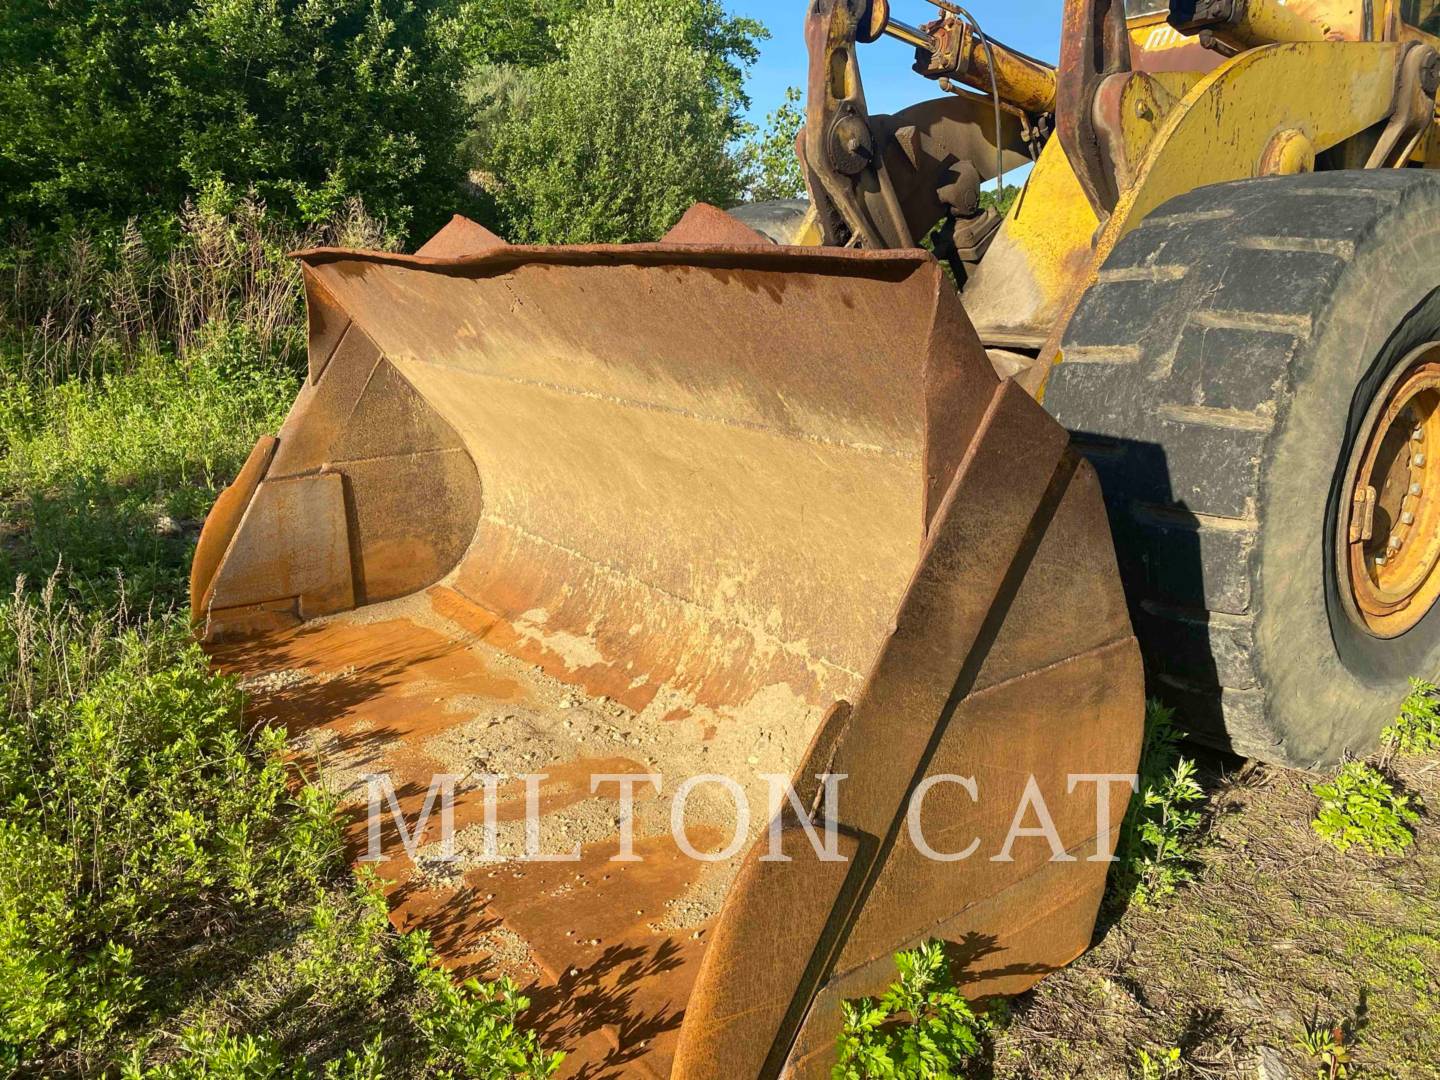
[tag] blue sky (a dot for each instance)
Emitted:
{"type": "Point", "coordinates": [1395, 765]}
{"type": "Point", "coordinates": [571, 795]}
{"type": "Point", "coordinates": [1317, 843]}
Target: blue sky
{"type": "Point", "coordinates": [1032, 26]}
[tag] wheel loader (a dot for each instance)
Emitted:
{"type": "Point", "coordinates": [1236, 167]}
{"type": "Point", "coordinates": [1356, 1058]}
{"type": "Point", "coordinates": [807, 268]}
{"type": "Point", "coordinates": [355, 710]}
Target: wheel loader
{"type": "Point", "coordinates": [889, 496]}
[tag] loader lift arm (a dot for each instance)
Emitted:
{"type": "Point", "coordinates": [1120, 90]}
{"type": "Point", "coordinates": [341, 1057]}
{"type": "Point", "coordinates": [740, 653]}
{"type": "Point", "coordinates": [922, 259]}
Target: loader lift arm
{"type": "Point", "coordinates": [884, 181]}
{"type": "Point", "coordinates": [871, 180]}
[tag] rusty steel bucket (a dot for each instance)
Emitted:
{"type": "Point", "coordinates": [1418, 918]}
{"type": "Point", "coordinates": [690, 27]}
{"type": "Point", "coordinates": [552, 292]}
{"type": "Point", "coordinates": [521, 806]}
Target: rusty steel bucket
{"type": "Point", "coordinates": [708, 507]}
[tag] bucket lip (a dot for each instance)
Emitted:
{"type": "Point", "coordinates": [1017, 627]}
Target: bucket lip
{"type": "Point", "coordinates": [885, 263]}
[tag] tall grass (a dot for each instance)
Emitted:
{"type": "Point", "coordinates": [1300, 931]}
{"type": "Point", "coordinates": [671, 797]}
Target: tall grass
{"type": "Point", "coordinates": [136, 371]}
{"type": "Point", "coordinates": [77, 305]}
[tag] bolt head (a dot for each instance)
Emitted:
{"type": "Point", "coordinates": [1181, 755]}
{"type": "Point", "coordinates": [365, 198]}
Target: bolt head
{"type": "Point", "coordinates": [1380, 560]}
{"type": "Point", "coordinates": [1419, 461]}
{"type": "Point", "coordinates": [1416, 489]}
{"type": "Point", "coordinates": [1407, 518]}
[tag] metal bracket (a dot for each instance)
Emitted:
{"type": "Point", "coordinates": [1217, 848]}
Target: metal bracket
{"type": "Point", "coordinates": [1417, 82]}
{"type": "Point", "coordinates": [1095, 47]}
{"type": "Point", "coordinates": [843, 160]}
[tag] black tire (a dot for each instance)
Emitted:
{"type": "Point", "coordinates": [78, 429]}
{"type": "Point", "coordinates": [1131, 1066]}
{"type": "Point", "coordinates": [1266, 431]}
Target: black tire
{"type": "Point", "coordinates": [1217, 375]}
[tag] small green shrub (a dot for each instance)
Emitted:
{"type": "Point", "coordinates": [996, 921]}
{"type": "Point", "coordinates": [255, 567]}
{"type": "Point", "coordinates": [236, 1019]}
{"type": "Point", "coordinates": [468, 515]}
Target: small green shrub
{"type": "Point", "coordinates": [143, 827]}
{"type": "Point", "coordinates": [921, 1028]}
{"type": "Point", "coordinates": [1159, 1065]}
{"type": "Point", "coordinates": [1330, 1047]}
{"type": "Point", "coordinates": [470, 1027]}
{"type": "Point", "coordinates": [1158, 837]}
{"type": "Point", "coordinates": [208, 1053]}
{"type": "Point", "coordinates": [1417, 729]}
{"type": "Point", "coordinates": [1361, 807]}
{"type": "Point", "coordinates": [345, 953]}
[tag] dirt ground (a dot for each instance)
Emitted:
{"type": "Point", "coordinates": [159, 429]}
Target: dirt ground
{"type": "Point", "coordinates": [1278, 931]}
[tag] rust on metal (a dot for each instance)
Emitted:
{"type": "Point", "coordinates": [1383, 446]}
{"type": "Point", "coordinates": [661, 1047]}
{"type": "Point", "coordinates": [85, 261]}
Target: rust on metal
{"type": "Point", "coordinates": [959, 50]}
{"type": "Point", "coordinates": [1094, 47]}
{"type": "Point", "coordinates": [670, 509]}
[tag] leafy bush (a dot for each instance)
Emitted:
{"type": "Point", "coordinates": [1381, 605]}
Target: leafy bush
{"type": "Point", "coordinates": [628, 128]}
{"type": "Point", "coordinates": [920, 1028]}
{"type": "Point", "coordinates": [1360, 806]}
{"type": "Point", "coordinates": [110, 109]}
{"type": "Point", "coordinates": [218, 1054]}
{"type": "Point", "coordinates": [470, 1027]}
{"type": "Point", "coordinates": [144, 827]}
{"type": "Point", "coordinates": [1159, 1065]}
{"type": "Point", "coordinates": [1159, 834]}
{"type": "Point", "coordinates": [1417, 729]}
{"type": "Point", "coordinates": [520, 32]}
{"type": "Point", "coordinates": [132, 797]}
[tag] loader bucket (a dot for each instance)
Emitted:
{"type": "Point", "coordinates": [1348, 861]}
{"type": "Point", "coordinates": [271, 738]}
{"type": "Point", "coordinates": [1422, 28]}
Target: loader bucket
{"type": "Point", "coordinates": [708, 511]}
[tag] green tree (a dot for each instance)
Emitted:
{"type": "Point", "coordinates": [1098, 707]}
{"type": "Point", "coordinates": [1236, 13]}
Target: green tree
{"type": "Point", "coordinates": [111, 109]}
{"type": "Point", "coordinates": [515, 32]}
{"type": "Point", "coordinates": [632, 124]}
{"type": "Point", "coordinates": [771, 164]}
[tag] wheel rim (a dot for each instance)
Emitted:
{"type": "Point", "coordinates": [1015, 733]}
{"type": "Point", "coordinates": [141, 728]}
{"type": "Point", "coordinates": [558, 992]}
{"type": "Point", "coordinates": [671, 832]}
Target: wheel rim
{"type": "Point", "coordinates": [1392, 534]}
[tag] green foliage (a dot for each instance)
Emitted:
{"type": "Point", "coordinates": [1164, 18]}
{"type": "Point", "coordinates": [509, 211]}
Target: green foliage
{"type": "Point", "coordinates": [1159, 835]}
{"type": "Point", "coordinates": [1000, 202]}
{"type": "Point", "coordinates": [77, 304]}
{"type": "Point", "coordinates": [111, 109]}
{"type": "Point", "coordinates": [630, 126]}
{"type": "Point", "coordinates": [518, 32]}
{"type": "Point", "coordinates": [131, 793]}
{"type": "Point", "coordinates": [1330, 1048]}
{"type": "Point", "coordinates": [922, 1028]}
{"type": "Point", "coordinates": [470, 1027]}
{"type": "Point", "coordinates": [1160, 1065]}
{"type": "Point", "coordinates": [1361, 807]}
{"type": "Point", "coordinates": [769, 161]}
{"type": "Point", "coordinates": [1417, 729]}
{"type": "Point", "coordinates": [133, 383]}
{"type": "Point", "coordinates": [110, 478]}
{"type": "Point", "coordinates": [207, 1053]}
{"type": "Point", "coordinates": [139, 813]}
{"type": "Point", "coordinates": [343, 955]}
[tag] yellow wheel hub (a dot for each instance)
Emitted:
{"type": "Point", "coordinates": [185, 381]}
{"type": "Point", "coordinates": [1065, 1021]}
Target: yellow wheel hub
{"type": "Point", "coordinates": [1393, 533]}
